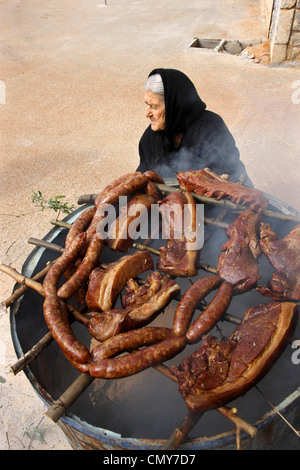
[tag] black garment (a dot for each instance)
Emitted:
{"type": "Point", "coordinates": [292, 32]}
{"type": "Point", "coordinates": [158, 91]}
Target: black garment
{"type": "Point", "coordinates": [206, 140]}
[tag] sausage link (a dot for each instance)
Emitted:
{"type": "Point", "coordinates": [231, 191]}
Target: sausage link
{"type": "Point", "coordinates": [84, 368]}
{"type": "Point", "coordinates": [81, 275]}
{"type": "Point", "coordinates": [151, 190]}
{"type": "Point", "coordinates": [153, 176]}
{"type": "Point", "coordinates": [212, 314]}
{"type": "Point", "coordinates": [80, 295]}
{"type": "Point", "coordinates": [113, 185]}
{"type": "Point", "coordinates": [60, 265]}
{"type": "Point", "coordinates": [57, 321]}
{"type": "Point", "coordinates": [80, 225]}
{"type": "Point", "coordinates": [128, 186]}
{"type": "Point", "coordinates": [186, 307]}
{"type": "Point", "coordinates": [122, 186]}
{"type": "Point", "coordinates": [131, 183]}
{"type": "Point", "coordinates": [130, 340]}
{"type": "Point", "coordinates": [138, 361]}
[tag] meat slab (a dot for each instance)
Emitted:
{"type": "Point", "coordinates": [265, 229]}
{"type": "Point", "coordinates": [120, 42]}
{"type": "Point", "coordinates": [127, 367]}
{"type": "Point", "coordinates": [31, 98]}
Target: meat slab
{"type": "Point", "coordinates": [238, 262]}
{"type": "Point", "coordinates": [207, 183]}
{"type": "Point", "coordinates": [142, 303]}
{"type": "Point", "coordinates": [284, 255]}
{"type": "Point", "coordinates": [218, 372]}
{"type": "Point", "coordinates": [106, 284]}
{"type": "Point", "coordinates": [176, 258]}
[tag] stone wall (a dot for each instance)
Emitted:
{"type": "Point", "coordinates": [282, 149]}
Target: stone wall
{"type": "Point", "coordinates": [284, 33]}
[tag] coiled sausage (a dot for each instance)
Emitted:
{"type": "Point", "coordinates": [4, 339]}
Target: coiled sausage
{"type": "Point", "coordinates": [61, 264]}
{"type": "Point", "coordinates": [81, 275]}
{"type": "Point", "coordinates": [130, 340]}
{"type": "Point", "coordinates": [212, 314]}
{"type": "Point", "coordinates": [138, 361]}
{"type": "Point", "coordinates": [186, 307]}
{"type": "Point", "coordinates": [57, 321]}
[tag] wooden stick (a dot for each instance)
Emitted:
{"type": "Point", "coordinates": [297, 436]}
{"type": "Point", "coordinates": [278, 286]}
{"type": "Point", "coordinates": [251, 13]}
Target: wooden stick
{"type": "Point", "coordinates": [229, 204]}
{"type": "Point", "coordinates": [22, 279]}
{"type": "Point", "coordinates": [181, 432]}
{"type": "Point", "coordinates": [87, 199]}
{"type": "Point", "coordinates": [38, 287]}
{"type": "Point", "coordinates": [30, 355]}
{"type": "Point", "coordinates": [90, 198]}
{"type": "Point", "coordinates": [43, 342]}
{"type": "Point", "coordinates": [141, 246]}
{"type": "Point", "coordinates": [21, 290]}
{"type": "Point", "coordinates": [60, 223]}
{"type": "Point", "coordinates": [231, 414]}
{"type": "Point", "coordinates": [138, 246]}
{"type": "Point", "coordinates": [226, 316]}
{"type": "Point", "coordinates": [191, 419]}
{"type": "Point", "coordinates": [207, 220]}
{"type": "Point", "coordinates": [45, 244]}
{"type": "Point", "coordinates": [216, 222]}
{"type": "Point", "coordinates": [61, 405]}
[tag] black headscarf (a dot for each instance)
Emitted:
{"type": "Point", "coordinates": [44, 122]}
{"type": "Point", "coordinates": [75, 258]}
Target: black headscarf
{"type": "Point", "coordinates": [182, 102]}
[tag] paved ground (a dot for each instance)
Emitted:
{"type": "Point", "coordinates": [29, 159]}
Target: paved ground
{"type": "Point", "coordinates": [72, 112]}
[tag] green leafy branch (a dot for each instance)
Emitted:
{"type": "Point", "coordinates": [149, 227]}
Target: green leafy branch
{"type": "Point", "coordinates": [55, 203]}
{"type": "Point", "coordinates": [35, 433]}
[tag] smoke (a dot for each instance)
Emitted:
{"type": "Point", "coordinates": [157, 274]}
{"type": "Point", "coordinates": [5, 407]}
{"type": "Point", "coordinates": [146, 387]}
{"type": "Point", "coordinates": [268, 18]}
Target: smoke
{"type": "Point", "coordinates": [207, 143]}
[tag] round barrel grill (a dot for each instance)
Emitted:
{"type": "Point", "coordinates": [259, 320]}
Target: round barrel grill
{"type": "Point", "coordinates": [141, 411]}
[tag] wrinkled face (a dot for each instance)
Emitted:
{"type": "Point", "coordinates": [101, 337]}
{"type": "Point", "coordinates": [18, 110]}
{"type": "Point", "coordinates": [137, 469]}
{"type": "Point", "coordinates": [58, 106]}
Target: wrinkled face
{"type": "Point", "coordinates": [155, 110]}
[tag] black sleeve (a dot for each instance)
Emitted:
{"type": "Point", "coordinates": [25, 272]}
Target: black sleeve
{"type": "Point", "coordinates": [217, 148]}
{"type": "Point", "coordinates": [145, 151]}
{"type": "Point", "coordinates": [142, 165]}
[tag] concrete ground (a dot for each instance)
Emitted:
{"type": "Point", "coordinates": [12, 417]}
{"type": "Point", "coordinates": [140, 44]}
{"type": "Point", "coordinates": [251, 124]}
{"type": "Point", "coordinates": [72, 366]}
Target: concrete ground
{"type": "Point", "coordinates": [72, 112]}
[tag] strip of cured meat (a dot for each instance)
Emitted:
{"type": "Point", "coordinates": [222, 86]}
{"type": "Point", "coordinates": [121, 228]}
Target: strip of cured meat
{"type": "Point", "coordinates": [207, 183]}
{"type": "Point", "coordinates": [238, 262]}
{"type": "Point", "coordinates": [284, 255]}
{"type": "Point", "coordinates": [179, 227]}
{"type": "Point", "coordinates": [106, 284]}
{"type": "Point", "coordinates": [142, 304]}
{"type": "Point", "coordinates": [218, 372]}
{"type": "Point", "coordinates": [127, 226]}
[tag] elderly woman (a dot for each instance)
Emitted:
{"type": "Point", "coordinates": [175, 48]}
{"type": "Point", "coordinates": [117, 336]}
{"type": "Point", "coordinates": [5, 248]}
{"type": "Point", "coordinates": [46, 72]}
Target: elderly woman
{"type": "Point", "coordinates": [182, 134]}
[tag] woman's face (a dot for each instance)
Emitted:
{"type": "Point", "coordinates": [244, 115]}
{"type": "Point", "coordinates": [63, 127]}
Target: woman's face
{"type": "Point", "coordinates": [155, 110]}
